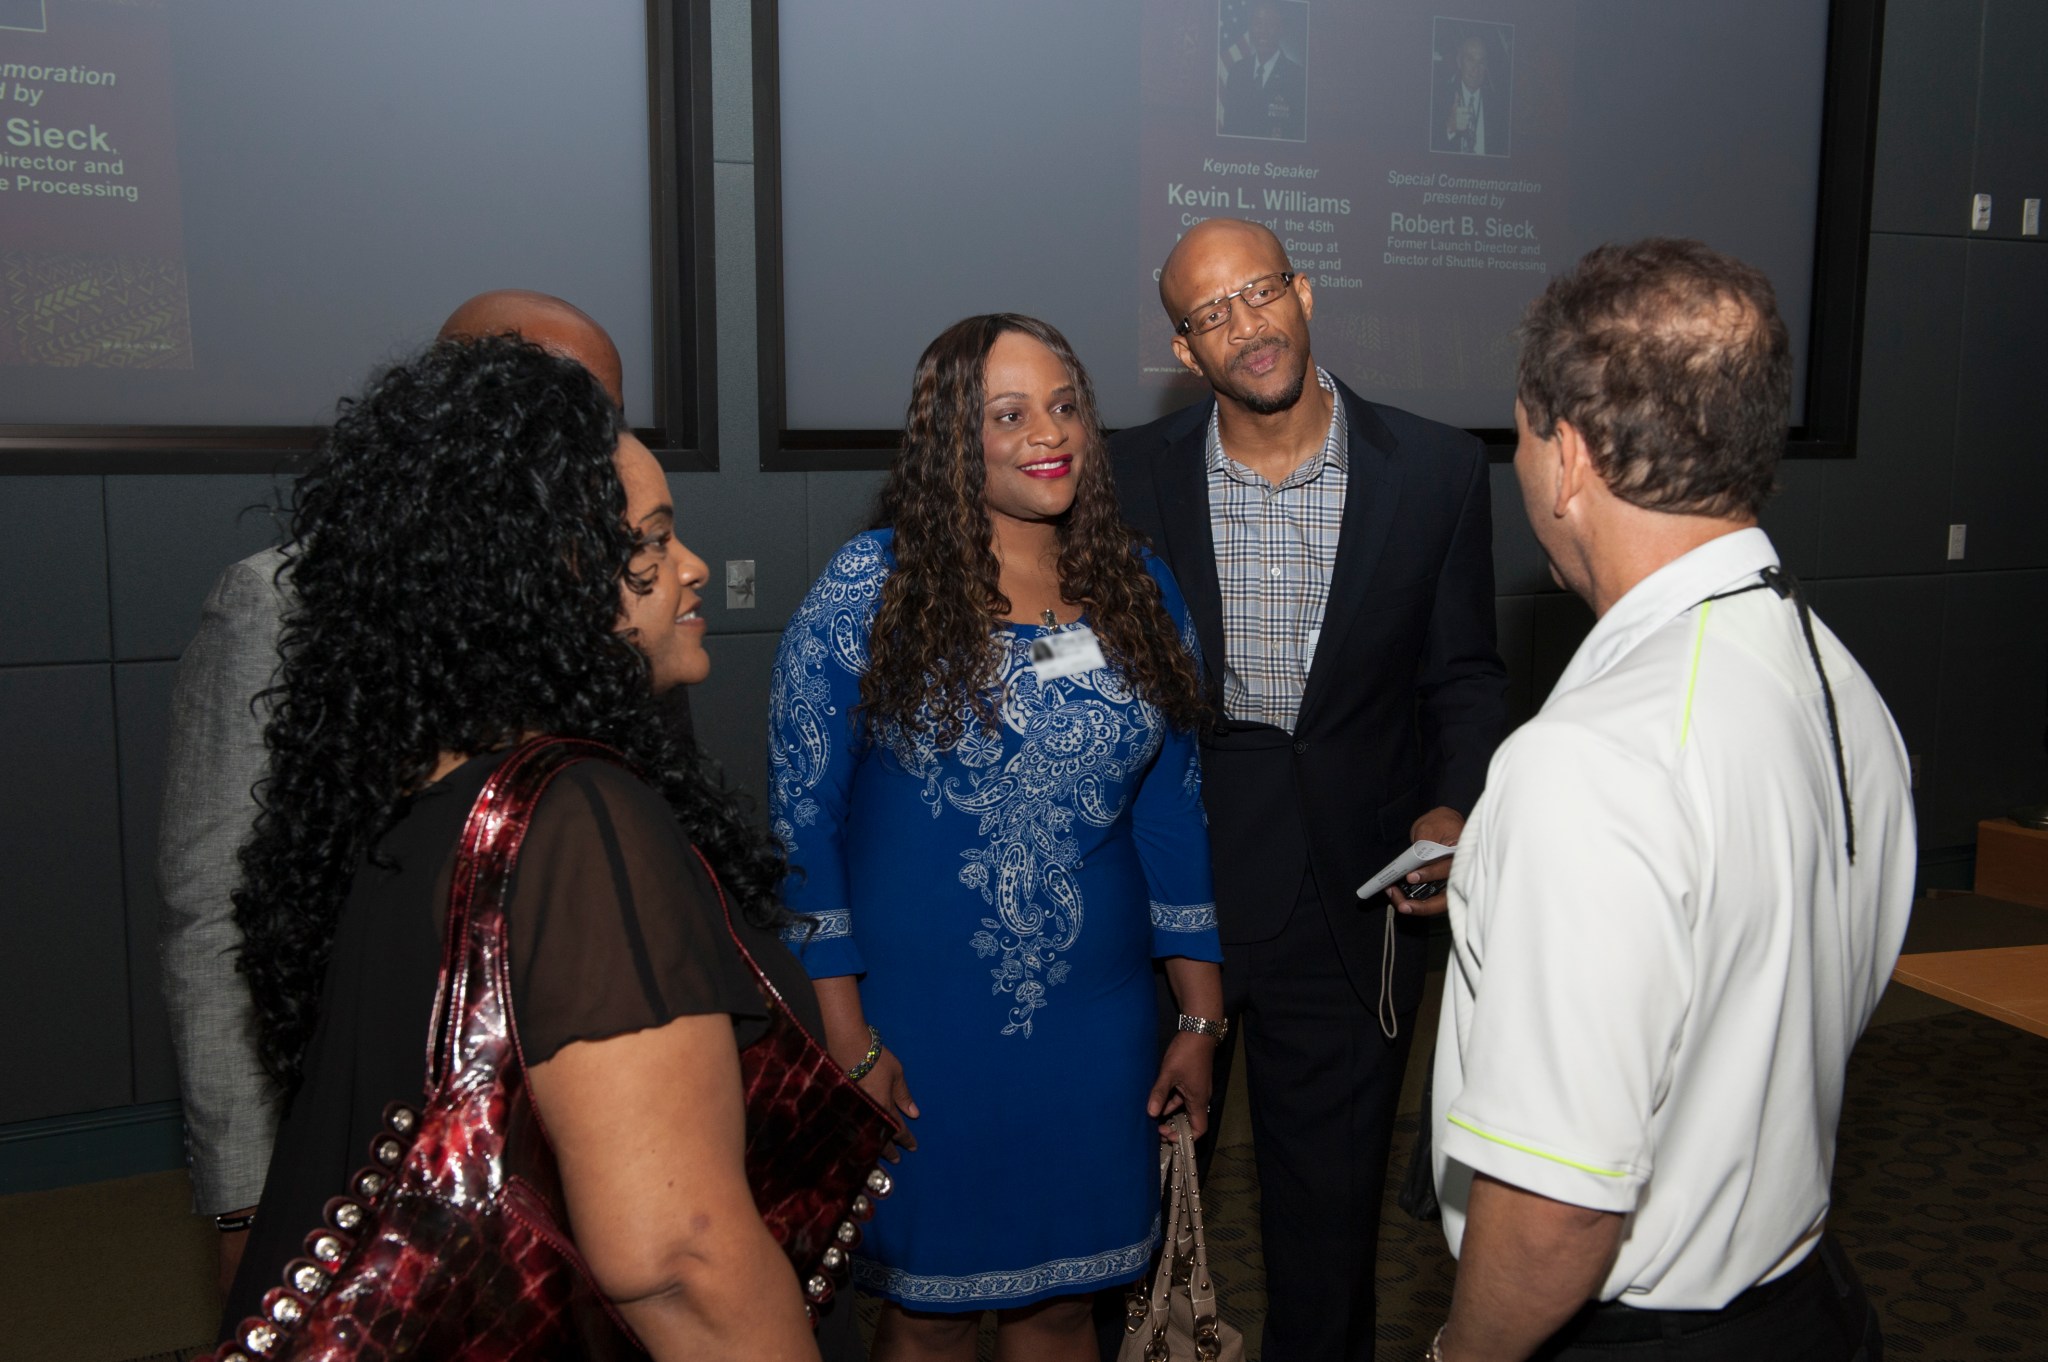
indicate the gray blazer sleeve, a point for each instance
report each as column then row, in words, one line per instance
column 216, row 756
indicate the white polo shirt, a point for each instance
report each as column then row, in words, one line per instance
column 1662, row 952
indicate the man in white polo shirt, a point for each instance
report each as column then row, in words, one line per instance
column 1676, row 903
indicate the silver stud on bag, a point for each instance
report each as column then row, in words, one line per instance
column 880, row 1183
column 848, row 1233
column 348, row 1216
column 327, row 1249
column 389, row 1152
column 260, row 1338
column 286, row 1311
column 861, row 1209
column 833, row 1258
column 370, row 1182
column 307, row 1280
column 817, row 1288
column 403, row 1119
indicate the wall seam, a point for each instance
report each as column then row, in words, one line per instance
column 120, row 802
column 77, row 662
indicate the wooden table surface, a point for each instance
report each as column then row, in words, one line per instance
column 2009, row 983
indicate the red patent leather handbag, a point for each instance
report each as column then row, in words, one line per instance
column 453, row 1242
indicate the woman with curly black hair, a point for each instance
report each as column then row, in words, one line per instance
column 482, row 554
column 983, row 739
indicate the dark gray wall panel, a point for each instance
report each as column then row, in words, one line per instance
column 1793, row 516
column 53, row 574
column 1892, row 625
column 1994, row 702
column 142, row 712
column 841, row 504
column 732, row 85
column 739, row 512
column 1887, row 508
column 2012, row 111
column 170, row 536
column 1559, row 623
column 1519, row 566
column 1927, row 116
column 732, row 281
column 2001, row 478
column 745, row 514
column 64, row 972
column 1514, row 622
column 731, row 710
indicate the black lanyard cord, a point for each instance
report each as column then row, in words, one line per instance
column 1786, row 585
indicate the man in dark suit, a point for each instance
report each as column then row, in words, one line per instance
column 1472, row 115
column 1265, row 94
column 1337, row 558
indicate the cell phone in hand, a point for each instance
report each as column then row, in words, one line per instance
column 1398, row 869
column 1415, row 893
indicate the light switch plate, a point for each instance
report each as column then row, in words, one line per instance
column 2030, row 217
column 739, row 584
column 1980, row 213
column 1956, row 535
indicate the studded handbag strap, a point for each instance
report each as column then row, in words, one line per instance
column 1169, row 1268
column 1201, row 1289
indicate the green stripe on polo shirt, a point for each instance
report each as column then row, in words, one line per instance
column 1490, row 1138
column 1699, row 640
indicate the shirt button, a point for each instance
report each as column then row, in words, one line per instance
column 1300, row 746
column 1275, row 572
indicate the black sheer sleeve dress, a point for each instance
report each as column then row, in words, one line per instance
column 616, row 927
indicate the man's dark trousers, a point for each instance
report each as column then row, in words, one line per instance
column 1817, row 1312
column 1325, row 1080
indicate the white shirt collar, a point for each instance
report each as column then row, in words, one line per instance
column 1663, row 596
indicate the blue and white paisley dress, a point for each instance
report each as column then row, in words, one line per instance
column 1002, row 901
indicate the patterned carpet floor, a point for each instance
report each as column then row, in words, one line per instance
column 1941, row 1198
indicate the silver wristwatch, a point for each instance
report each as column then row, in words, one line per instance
column 1202, row 1026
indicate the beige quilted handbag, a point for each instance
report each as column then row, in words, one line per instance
column 1172, row 1316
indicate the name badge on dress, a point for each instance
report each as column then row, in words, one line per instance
column 1067, row 653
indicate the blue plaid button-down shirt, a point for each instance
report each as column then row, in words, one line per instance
column 1275, row 548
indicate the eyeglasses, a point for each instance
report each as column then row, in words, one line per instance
column 1216, row 311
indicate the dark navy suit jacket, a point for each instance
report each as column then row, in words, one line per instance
column 1406, row 696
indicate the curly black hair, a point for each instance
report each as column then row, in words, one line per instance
column 456, row 554
column 930, row 654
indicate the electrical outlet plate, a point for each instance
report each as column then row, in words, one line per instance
column 739, row 584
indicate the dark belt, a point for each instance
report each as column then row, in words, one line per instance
column 1613, row 1322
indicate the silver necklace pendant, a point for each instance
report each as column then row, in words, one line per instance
column 1052, row 621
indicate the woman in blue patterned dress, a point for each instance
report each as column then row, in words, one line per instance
column 982, row 737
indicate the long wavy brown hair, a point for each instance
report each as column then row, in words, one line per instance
column 932, row 659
